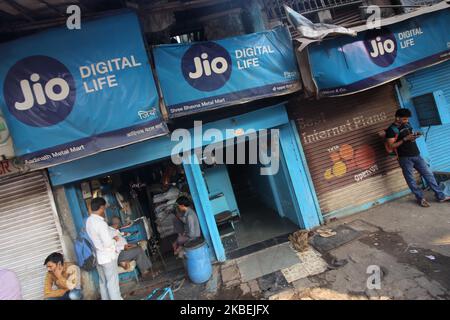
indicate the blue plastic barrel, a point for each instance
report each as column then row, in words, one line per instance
column 198, row 262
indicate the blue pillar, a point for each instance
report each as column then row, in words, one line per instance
column 74, row 205
column 79, row 213
column 199, row 192
column 309, row 213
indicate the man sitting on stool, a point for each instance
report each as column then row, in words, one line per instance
column 185, row 223
column 128, row 252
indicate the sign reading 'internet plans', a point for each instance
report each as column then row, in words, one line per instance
column 208, row 75
column 67, row 94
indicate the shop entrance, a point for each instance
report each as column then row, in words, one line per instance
column 143, row 200
column 249, row 207
column 260, row 216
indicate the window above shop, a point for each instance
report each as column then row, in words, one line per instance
column 432, row 109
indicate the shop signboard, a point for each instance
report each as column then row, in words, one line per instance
column 67, row 94
column 345, row 65
column 202, row 76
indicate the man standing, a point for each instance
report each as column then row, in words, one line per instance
column 65, row 276
column 400, row 137
column 9, row 285
column 191, row 225
column 128, row 252
column 98, row 231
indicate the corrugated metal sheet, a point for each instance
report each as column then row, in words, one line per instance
column 29, row 229
column 430, row 79
column 346, row 158
column 438, row 145
column 426, row 81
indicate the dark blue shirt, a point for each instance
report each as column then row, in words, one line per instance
column 407, row 148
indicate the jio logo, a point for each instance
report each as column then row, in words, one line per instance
column 381, row 46
column 39, row 91
column 206, row 66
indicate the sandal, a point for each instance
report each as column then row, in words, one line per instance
column 424, row 203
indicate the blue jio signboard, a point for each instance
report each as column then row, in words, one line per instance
column 347, row 65
column 208, row 75
column 67, row 94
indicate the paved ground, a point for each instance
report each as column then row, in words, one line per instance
column 410, row 245
column 404, row 246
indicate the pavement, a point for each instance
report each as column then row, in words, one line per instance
column 395, row 251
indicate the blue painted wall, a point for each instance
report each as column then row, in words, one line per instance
column 307, row 213
column 218, row 181
column 77, row 207
column 200, row 196
column 284, row 191
column 304, row 165
column 263, row 186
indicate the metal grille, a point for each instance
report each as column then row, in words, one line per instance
column 346, row 158
column 276, row 10
column 29, row 230
column 346, row 17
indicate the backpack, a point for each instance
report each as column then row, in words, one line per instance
column 85, row 252
column 390, row 151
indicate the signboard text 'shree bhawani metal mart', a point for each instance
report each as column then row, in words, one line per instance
column 346, row 65
column 67, row 94
column 209, row 75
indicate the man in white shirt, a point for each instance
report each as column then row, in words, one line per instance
column 98, row 231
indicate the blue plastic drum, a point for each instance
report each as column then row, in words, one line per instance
column 198, row 262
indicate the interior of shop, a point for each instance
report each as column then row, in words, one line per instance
column 144, row 200
column 248, row 207
column 259, row 219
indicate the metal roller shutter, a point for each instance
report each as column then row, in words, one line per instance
column 346, row 158
column 30, row 229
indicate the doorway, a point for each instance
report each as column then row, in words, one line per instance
column 251, row 208
column 261, row 217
